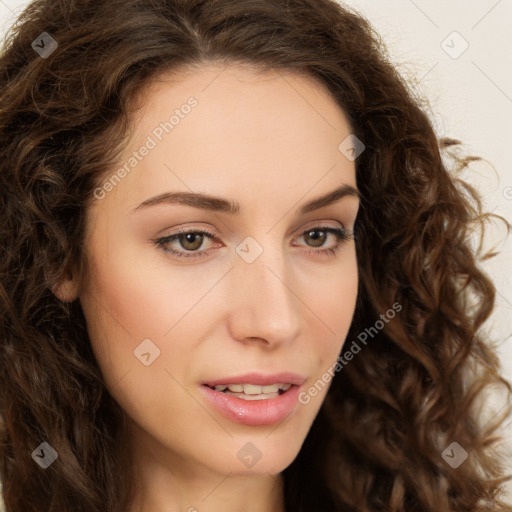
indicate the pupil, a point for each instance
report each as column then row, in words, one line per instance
column 319, row 239
column 190, row 238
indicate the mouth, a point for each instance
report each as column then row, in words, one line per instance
column 254, row 399
column 247, row 391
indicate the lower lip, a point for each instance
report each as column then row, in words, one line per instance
column 254, row 413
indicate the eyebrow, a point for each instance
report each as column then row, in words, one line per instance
column 218, row 204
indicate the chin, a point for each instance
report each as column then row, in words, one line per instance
column 252, row 455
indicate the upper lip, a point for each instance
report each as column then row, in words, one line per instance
column 260, row 379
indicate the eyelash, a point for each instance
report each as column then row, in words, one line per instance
column 341, row 234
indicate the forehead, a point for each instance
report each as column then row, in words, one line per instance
column 248, row 131
column 227, row 94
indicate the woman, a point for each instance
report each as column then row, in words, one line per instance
column 235, row 270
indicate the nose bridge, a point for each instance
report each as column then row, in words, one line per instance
column 264, row 304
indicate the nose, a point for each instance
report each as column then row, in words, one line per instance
column 263, row 304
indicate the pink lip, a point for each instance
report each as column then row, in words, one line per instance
column 254, row 413
column 259, row 379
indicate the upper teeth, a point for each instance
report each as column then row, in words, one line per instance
column 251, row 389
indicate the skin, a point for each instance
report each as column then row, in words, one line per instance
column 269, row 141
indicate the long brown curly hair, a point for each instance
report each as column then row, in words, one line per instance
column 377, row 443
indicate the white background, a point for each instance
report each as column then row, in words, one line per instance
column 470, row 98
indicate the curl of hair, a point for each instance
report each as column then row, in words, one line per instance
column 376, row 443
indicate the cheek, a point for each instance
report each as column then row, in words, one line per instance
column 127, row 290
column 333, row 305
column 335, row 302
column 132, row 297
column 122, row 308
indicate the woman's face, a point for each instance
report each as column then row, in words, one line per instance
column 264, row 301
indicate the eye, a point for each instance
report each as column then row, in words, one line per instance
column 192, row 240
column 341, row 235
